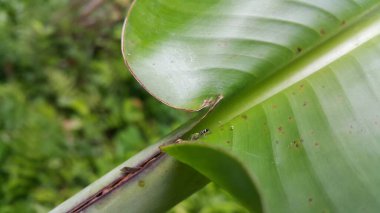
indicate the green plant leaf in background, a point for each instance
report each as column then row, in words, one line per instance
column 301, row 86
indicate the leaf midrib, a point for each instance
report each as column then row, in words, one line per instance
column 363, row 29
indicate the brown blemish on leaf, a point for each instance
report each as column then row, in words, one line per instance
column 316, row 144
column 343, row 23
column 244, row 117
column 296, row 143
column 322, row 31
column 274, row 106
column 207, row 102
column 141, row 183
column 228, row 142
column 290, row 118
column 178, row 141
column 277, row 142
column 299, row 49
column 280, row 129
column 304, row 104
column 211, row 102
column 310, row 200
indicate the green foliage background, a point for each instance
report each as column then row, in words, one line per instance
column 69, row 109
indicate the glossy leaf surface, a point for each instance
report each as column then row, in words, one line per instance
column 188, row 52
column 301, row 86
column 301, row 81
column 314, row 146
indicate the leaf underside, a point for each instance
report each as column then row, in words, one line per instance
column 186, row 52
column 301, row 81
column 199, row 155
column 313, row 147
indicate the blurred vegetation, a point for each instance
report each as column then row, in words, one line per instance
column 69, row 110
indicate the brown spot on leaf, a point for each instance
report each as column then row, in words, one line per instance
column 141, row 183
column 244, row 117
column 296, row 143
column 343, row 22
column 322, row 31
column 299, row 49
column 304, row 104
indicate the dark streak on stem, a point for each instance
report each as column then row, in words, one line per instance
column 124, row 178
column 128, row 174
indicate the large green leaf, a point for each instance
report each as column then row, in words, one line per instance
column 188, row 52
column 314, row 146
column 299, row 118
column 301, row 81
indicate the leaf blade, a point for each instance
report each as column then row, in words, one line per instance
column 237, row 43
column 315, row 145
column 222, row 169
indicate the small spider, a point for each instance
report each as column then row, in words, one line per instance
column 197, row 135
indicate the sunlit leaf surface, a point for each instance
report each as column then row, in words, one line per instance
column 186, row 52
column 301, row 81
column 313, row 147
